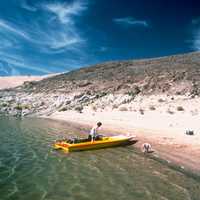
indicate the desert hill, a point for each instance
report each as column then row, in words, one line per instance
column 177, row 74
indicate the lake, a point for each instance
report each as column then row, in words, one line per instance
column 31, row 170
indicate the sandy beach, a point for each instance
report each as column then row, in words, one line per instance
column 165, row 132
column 14, row 81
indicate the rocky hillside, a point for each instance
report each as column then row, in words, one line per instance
column 123, row 80
column 150, row 75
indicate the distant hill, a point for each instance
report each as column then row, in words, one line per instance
column 173, row 74
column 7, row 82
column 14, row 81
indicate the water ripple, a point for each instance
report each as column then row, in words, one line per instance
column 13, row 190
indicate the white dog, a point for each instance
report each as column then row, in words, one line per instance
column 146, row 148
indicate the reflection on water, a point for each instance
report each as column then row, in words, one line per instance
column 31, row 170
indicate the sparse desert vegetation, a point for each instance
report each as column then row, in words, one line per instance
column 170, row 111
column 141, row 111
column 152, row 107
column 79, row 109
column 180, row 108
column 122, row 108
column 161, row 100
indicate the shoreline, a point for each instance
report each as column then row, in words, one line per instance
column 169, row 145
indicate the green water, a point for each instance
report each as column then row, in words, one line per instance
column 31, row 170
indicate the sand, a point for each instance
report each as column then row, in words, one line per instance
column 164, row 131
column 14, row 81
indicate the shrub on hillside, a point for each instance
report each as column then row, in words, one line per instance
column 63, row 109
column 141, row 111
column 135, row 91
column 79, row 109
column 4, row 104
column 161, row 100
column 18, row 107
column 180, row 108
column 94, row 108
column 123, row 109
column 115, row 106
column 170, row 111
column 152, row 108
column 21, row 107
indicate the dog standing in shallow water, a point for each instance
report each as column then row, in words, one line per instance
column 146, row 148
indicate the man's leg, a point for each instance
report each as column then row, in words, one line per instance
column 89, row 138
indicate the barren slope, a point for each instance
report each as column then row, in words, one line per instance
column 175, row 74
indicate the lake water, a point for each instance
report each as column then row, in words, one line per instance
column 31, row 170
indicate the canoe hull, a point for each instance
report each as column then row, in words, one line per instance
column 105, row 143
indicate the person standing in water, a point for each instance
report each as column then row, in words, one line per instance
column 93, row 133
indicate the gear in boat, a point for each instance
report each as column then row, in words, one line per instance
column 76, row 140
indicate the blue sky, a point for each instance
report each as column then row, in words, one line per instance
column 48, row 36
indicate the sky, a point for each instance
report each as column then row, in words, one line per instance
column 51, row 36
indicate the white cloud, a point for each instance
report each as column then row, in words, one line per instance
column 103, row 49
column 17, row 62
column 130, row 21
column 196, row 21
column 8, row 70
column 14, row 71
column 57, row 40
column 196, row 39
column 6, row 43
column 64, row 36
column 195, row 34
column 64, row 11
column 59, row 35
column 28, row 7
column 67, row 35
column 49, row 38
column 5, row 26
column 3, row 69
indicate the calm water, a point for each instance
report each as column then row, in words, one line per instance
column 31, row 170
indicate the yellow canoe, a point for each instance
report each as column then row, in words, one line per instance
column 104, row 142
